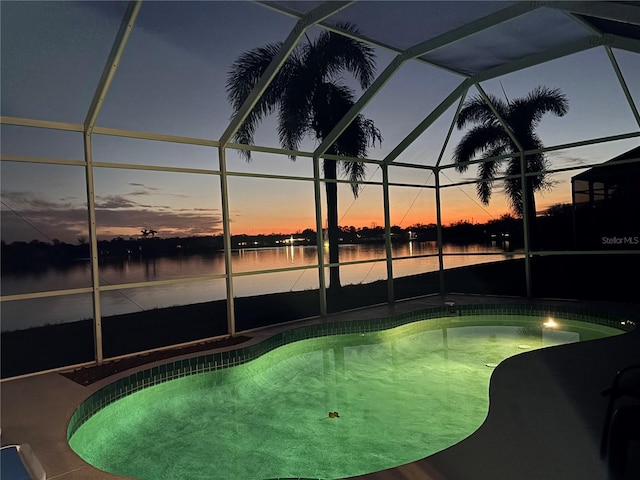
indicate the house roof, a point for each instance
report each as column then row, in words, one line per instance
column 628, row 168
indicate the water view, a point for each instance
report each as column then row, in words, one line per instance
column 22, row 314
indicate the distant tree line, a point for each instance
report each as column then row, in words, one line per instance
column 555, row 231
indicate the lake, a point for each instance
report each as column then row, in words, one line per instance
column 22, row 314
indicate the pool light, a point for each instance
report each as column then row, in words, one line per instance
column 550, row 323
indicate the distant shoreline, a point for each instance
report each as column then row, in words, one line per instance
column 39, row 256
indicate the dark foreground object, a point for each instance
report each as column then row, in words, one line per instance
column 593, row 278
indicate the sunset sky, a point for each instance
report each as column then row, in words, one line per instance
column 171, row 80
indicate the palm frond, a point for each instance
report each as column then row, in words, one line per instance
column 355, row 172
column 244, row 135
column 244, row 75
column 308, row 95
column 363, row 134
column 479, row 139
column 296, row 107
column 476, row 110
column 487, row 171
column 488, row 136
column 536, row 163
column 528, row 111
column 335, row 53
column 513, row 189
column 360, row 134
column 246, row 71
column 370, row 132
column 293, row 125
column 331, row 101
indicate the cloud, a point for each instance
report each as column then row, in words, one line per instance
column 44, row 224
column 134, row 184
column 121, row 201
column 27, row 217
column 140, row 192
column 115, row 202
column 145, row 190
column 159, row 221
column 30, row 201
column 558, row 159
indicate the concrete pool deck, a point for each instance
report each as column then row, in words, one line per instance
column 545, row 417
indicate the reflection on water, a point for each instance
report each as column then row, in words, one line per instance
column 21, row 314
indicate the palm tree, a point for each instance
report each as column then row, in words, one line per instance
column 310, row 99
column 489, row 137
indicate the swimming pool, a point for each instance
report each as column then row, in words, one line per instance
column 328, row 401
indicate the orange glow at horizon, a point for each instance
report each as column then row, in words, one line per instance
column 456, row 207
column 284, row 211
column 288, row 224
column 266, row 228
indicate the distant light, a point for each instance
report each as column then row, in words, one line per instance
column 550, row 323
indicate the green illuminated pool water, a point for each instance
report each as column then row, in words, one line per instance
column 401, row 395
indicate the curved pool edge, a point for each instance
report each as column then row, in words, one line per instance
column 545, row 419
column 199, row 363
column 37, row 410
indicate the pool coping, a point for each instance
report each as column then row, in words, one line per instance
column 37, row 410
column 199, row 364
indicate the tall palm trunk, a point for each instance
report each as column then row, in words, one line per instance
column 531, row 213
column 331, row 189
column 311, row 98
column 531, row 184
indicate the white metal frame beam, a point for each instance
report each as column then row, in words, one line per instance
column 623, row 84
column 459, row 91
column 532, row 60
column 108, row 73
column 623, row 43
column 48, row 124
column 417, row 50
column 451, row 127
column 577, row 46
